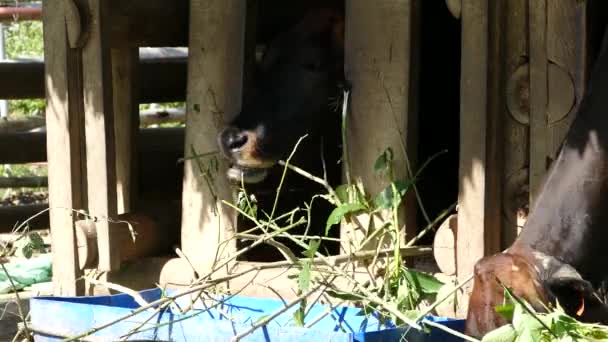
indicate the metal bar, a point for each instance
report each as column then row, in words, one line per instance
column 20, row 13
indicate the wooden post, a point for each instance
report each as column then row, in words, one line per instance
column 100, row 137
column 479, row 188
column 379, row 53
column 214, row 93
column 126, row 124
column 65, row 142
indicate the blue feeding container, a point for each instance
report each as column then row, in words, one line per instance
column 55, row 318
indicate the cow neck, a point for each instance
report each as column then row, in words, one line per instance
column 568, row 218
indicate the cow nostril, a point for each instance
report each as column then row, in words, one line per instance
column 236, row 140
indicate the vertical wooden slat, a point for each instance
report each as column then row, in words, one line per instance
column 65, row 152
column 214, row 93
column 538, row 94
column 567, row 42
column 516, row 118
column 126, row 124
column 379, row 48
column 479, row 188
column 100, row 138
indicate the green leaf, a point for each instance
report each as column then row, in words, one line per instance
column 342, row 192
column 27, row 245
column 36, row 241
column 385, row 199
column 505, row 310
column 299, row 314
column 427, row 282
column 304, row 276
column 506, row 333
column 313, row 247
column 338, row 214
column 350, row 194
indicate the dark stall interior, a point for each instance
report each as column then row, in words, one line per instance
column 438, row 114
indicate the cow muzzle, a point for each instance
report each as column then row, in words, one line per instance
column 240, row 148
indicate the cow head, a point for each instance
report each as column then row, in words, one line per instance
column 539, row 279
column 298, row 75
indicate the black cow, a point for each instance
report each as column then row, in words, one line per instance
column 298, row 76
column 561, row 252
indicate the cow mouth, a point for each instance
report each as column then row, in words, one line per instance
column 238, row 174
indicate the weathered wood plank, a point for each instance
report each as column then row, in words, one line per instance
column 148, row 23
column 126, row 124
column 379, row 50
column 567, row 51
column 538, row 95
column 65, row 141
column 100, row 137
column 516, row 118
column 214, row 94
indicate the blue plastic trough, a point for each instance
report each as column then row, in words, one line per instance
column 54, row 318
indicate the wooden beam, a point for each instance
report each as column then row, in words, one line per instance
column 12, row 216
column 156, row 233
column 10, row 125
column 148, row 23
column 163, row 79
column 380, row 67
column 65, row 139
column 160, row 141
column 169, row 272
column 214, row 94
column 23, row 182
column 33, row 145
column 100, row 135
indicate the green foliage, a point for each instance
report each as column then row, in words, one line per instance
column 528, row 325
column 388, row 197
column 23, row 171
column 401, row 286
column 339, row 212
column 24, row 40
column 28, row 244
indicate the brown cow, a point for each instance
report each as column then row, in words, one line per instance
column 561, row 251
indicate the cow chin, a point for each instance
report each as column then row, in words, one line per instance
column 249, row 170
column 238, row 174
